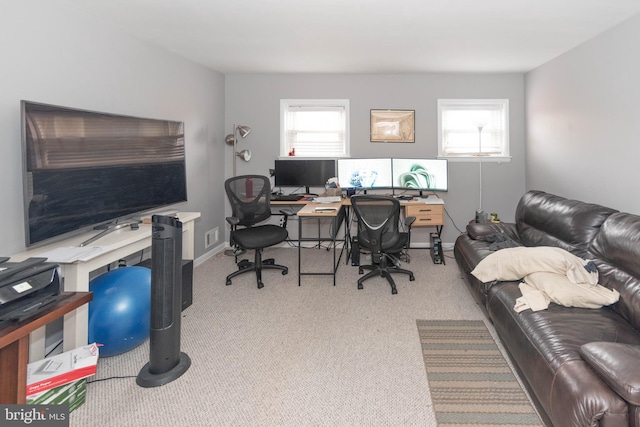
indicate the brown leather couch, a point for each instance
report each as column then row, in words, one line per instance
column 581, row 366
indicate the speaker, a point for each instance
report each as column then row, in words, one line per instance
column 166, row 362
column 187, row 280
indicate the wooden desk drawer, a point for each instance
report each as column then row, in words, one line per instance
column 426, row 215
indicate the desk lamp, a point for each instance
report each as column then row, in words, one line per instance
column 232, row 140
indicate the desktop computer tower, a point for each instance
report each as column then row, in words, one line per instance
column 355, row 251
column 436, row 249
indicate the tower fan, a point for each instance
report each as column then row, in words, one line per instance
column 166, row 361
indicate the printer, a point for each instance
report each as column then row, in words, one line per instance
column 27, row 287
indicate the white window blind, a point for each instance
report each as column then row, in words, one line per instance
column 314, row 128
column 473, row 127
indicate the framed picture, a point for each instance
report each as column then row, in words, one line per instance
column 393, row 126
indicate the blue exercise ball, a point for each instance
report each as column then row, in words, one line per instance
column 120, row 313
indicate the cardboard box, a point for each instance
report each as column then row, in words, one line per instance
column 62, row 378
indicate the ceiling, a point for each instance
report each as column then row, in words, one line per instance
column 364, row 36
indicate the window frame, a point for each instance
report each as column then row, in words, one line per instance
column 287, row 104
column 503, row 105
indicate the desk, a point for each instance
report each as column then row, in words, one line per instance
column 119, row 244
column 14, row 345
column 309, row 211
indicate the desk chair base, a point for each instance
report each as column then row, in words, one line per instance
column 383, row 270
column 258, row 265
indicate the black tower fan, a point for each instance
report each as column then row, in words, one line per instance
column 166, row 361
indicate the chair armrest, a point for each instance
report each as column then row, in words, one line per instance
column 618, row 365
column 233, row 220
column 408, row 221
column 287, row 212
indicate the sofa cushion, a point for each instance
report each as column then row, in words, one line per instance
column 619, row 366
column 616, row 251
column 544, row 219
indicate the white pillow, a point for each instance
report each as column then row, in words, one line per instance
column 516, row 263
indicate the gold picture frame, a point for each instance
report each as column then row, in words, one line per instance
column 393, row 126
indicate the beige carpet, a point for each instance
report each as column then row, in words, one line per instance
column 314, row 355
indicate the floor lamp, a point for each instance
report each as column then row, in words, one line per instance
column 245, row 155
column 480, row 122
column 232, row 140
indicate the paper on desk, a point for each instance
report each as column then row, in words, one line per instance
column 70, row 254
column 327, row 199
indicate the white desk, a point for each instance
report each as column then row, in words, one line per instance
column 119, row 244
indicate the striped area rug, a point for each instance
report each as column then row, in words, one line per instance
column 470, row 382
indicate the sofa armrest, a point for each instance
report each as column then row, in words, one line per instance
column 478, row 231
column 618, row 365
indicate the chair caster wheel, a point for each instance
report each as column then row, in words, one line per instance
column 412, row 278
column 394, row 291
column 360, row 286
column 285, row 272
column 260, row 285
column 228, row 282
column 360, row 271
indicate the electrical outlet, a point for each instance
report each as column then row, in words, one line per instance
column 211, row 237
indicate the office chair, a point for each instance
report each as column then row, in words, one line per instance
column 378, row 218
column 249, row 196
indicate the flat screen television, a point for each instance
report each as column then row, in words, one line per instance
column 365, row 173
column 84, row 169
column 420, row 174
column 304, row 172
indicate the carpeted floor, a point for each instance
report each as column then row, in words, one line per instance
column 469, row 379
column 289, row 355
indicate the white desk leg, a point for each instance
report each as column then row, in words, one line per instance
column 76, row 323
column 37, row 344
column 188, row 240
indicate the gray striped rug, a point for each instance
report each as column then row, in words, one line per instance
column 470, row 382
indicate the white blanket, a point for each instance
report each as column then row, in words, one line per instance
column 549, row 274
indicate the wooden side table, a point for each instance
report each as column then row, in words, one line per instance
column 14, row 345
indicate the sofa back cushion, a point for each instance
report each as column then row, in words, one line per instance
column 544, row 219
column 616, row 252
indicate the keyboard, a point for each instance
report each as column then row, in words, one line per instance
column 286, row 197
column 327, row 199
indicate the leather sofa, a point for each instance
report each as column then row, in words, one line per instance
column 581, row 366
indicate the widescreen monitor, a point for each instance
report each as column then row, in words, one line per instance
column 420, row 174
column 304, row 172
column 364, row 173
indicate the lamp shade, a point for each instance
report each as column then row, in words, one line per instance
column 244, row 130
column 244, row 155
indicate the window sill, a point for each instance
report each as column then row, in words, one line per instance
column 484, row 159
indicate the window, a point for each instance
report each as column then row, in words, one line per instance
column 314, row 127
column 473, row 127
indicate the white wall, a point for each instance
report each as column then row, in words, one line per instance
column 53, row 54
column 254, row 100
column 583, row 121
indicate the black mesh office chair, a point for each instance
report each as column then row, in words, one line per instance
column 378, row 218
column 249, row 196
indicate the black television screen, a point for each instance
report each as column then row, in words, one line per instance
column 84, row 168
column 421, row 174
column 304, row 173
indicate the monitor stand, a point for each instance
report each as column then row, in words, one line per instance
column 109, row 228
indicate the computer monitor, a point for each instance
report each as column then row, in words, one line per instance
column 365, row 173
column 420, row 174
column 304, row 172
